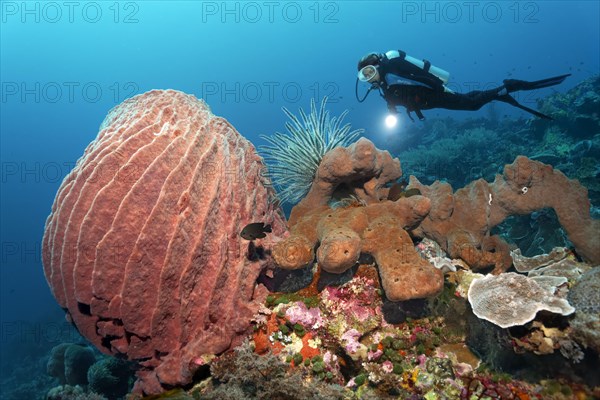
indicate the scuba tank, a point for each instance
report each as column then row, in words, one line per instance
column 425, row 65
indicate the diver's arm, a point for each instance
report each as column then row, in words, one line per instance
column 392, row 107
column 394, row 111
column 391, row 104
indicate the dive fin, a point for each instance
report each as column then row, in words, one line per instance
column 510, row 100
column 513, row 85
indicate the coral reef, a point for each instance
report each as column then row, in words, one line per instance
column 28, row 378
column 559, row 263
column 456, row 150
column 548, row 343
column 67, row 392
column 336, row 344
column 178, row 304
column 69, row 363
column 536, row 233
column 459, row 151
column 246, row 375
column 340, row 336
column 109, row 377
column 461, row 221
column 142, row 247
column 585, row 297
column 575, row 111
column 527, row 264
column 344, row 233
column 25, row 354
column 534, row 353
column 511, row 299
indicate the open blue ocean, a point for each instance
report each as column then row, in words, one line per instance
column 65, row 64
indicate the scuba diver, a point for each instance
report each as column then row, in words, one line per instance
column 417, row 85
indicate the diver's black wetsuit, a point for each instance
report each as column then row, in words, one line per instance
column 416, row 98
column 417, row 89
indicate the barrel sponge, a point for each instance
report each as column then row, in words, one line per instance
column 511, row 299
column 142, row 245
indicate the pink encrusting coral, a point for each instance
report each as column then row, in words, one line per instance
column 142, row 247
column 300, row 314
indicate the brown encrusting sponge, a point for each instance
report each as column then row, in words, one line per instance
column 375, row 226
column 459, row 221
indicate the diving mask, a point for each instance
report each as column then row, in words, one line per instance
column 369, row 74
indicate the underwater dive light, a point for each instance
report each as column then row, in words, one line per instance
column 391, row 120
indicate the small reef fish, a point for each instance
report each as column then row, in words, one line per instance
column 398, row 190
column 255, row 230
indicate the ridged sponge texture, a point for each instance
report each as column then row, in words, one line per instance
column 142, row 246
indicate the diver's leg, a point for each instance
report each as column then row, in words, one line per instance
column 470, row 101
column 476, row 99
